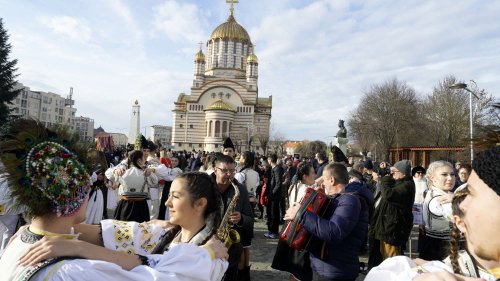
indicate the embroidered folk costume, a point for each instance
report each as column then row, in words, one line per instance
column 46, row 173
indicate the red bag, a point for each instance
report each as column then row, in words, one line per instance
column 263, row 198
column 294, row 234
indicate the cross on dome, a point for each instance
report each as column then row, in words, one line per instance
column 232, row 2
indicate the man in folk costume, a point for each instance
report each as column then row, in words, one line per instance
column 46, row 172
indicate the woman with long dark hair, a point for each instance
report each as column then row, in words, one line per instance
column 134, row 189
column 195, row 216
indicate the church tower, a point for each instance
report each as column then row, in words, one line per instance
column 135, row 122
column 224, row 99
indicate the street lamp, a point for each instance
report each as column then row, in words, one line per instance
column 463, row 86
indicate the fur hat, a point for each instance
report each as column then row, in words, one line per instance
column 338, row 155
column 417, row 169
column 228, row 143
column 487, row 167
column 404, row 166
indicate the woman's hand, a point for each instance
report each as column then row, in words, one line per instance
column 443, row 199
column 218, row 247
column 50, row 247
column 292, row 211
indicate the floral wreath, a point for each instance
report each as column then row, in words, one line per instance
column 58, row 174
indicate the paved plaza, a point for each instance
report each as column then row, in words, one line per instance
column 262, row 255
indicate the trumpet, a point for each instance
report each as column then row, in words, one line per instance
column 225, row 233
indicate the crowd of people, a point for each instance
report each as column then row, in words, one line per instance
column 164, row 215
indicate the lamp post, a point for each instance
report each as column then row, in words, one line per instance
column 463, row 86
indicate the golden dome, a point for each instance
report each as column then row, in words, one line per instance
column 231, row 30
column 200, row 57
column 252, row 58
column 220, row 105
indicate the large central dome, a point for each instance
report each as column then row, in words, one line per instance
column 231, row 29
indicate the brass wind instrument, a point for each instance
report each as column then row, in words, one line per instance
column 225, row 233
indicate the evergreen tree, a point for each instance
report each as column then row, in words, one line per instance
column 7, row 75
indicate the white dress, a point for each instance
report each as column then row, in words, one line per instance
column 95, row 207
column 181, row 263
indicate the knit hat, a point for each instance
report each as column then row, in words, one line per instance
column 487, row 167
column 368, row 164
column 228, row 143
column 338, row 155
column 404, row 166
column 42, row 172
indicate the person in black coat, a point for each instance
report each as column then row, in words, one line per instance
column 273, row 191
column 392, row 219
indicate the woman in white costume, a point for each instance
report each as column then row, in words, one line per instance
column 441, row 181
column 51, row 180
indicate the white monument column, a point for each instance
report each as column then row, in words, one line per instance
column 135, row 122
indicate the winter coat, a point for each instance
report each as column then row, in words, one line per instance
column 274, row 185
column 339, row 235
column 392, row 219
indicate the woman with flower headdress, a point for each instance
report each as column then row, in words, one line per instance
column 46, row 172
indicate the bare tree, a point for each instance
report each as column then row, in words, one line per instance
column 276, row 139
column 385, row 115
column 316, row 146
column 264, row 141
column 447, row 115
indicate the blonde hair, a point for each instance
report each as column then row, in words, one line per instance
column 432, row 170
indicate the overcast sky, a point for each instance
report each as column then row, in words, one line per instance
column 316, row 58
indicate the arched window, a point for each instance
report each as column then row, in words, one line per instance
column 217, row 129
column 210, row 128
column 224, row 127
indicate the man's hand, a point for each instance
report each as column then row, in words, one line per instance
column 235, row 217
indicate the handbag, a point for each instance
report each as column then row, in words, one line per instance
column 137, row 194
column 263, row 197
column 294, row 234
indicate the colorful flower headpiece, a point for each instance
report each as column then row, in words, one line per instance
column 57, row 173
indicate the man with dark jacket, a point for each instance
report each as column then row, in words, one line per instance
column 338, row 236
column 242, row 215
column 392, row 219
column 273, row 191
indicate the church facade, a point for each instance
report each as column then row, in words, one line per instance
column 224, row 99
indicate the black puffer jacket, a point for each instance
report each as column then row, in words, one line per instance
column 392, row 219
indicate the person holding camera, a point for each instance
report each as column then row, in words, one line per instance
column 392, row 218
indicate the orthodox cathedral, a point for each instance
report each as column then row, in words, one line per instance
column 224, row 100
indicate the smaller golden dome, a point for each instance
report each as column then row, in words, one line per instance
column 220, row 105
column 252, row 58
column 200, row 57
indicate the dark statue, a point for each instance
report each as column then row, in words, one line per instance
column 342, row 133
